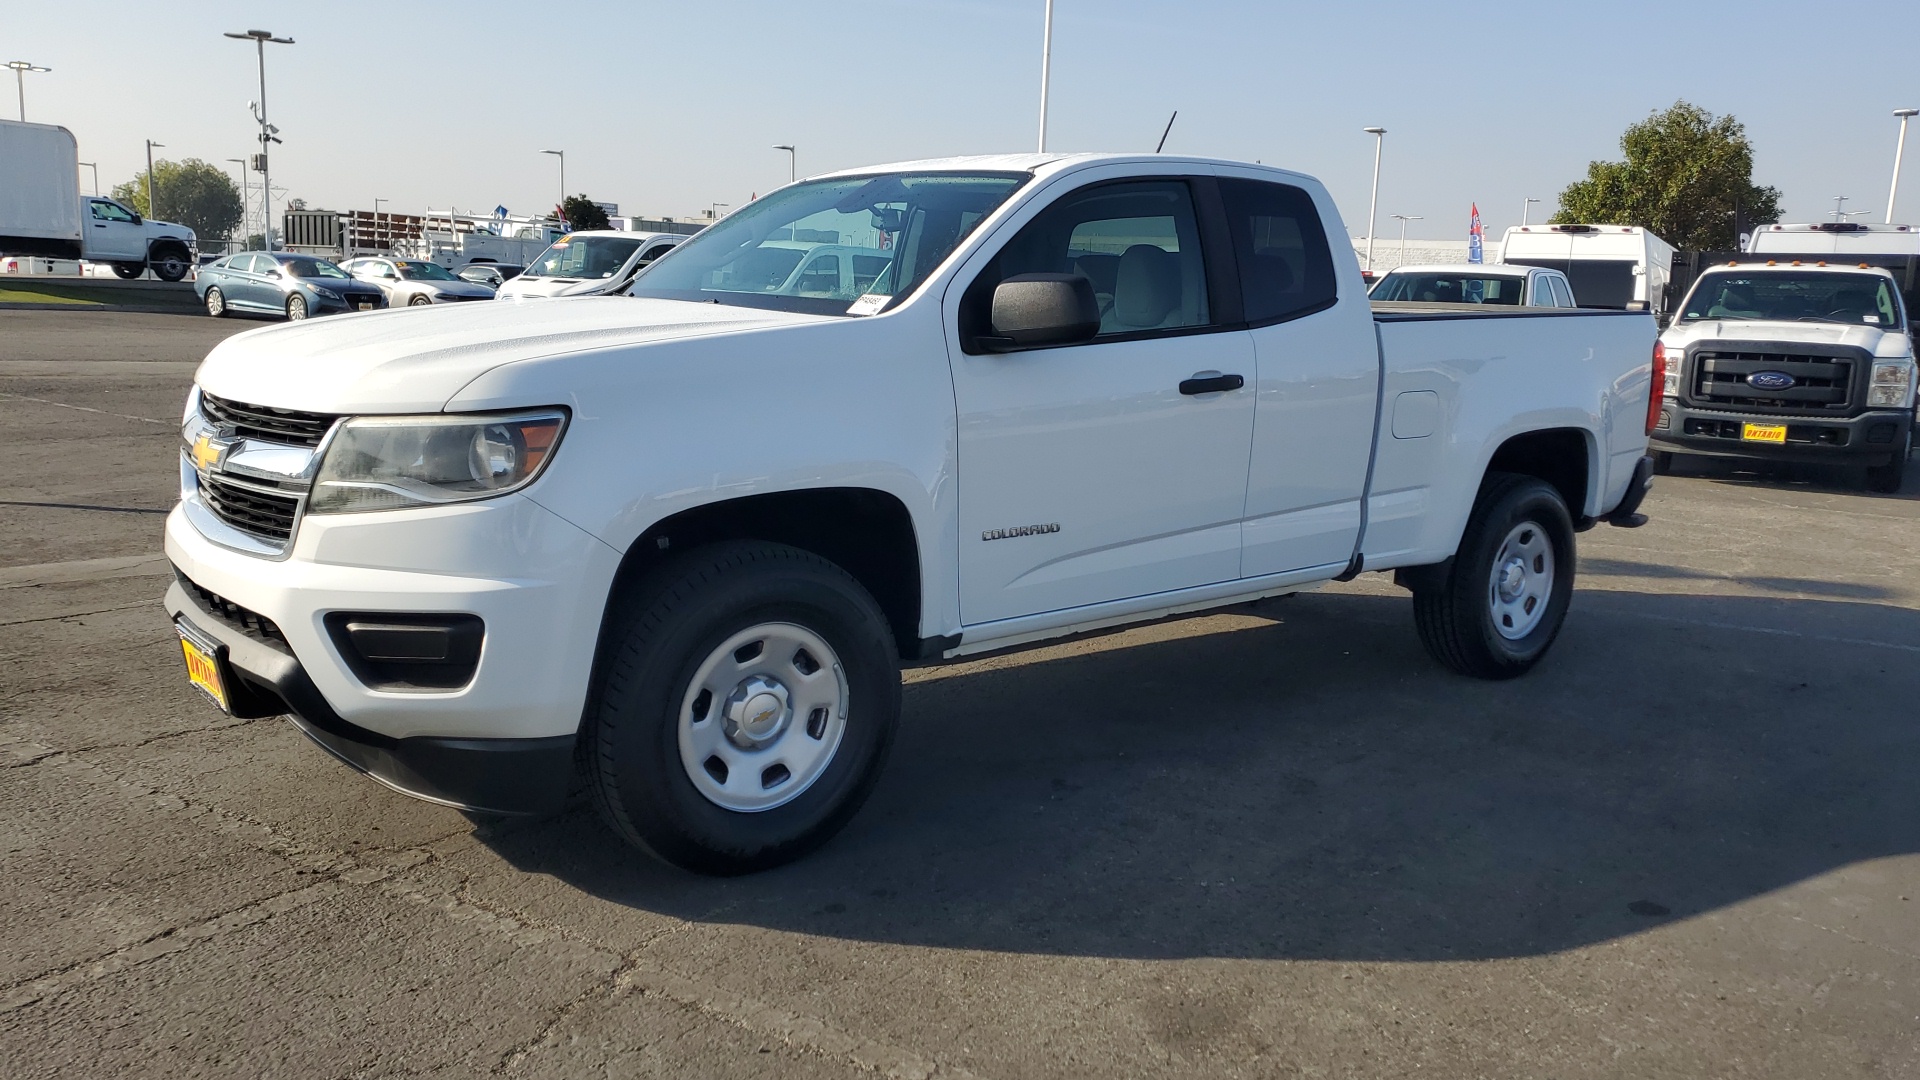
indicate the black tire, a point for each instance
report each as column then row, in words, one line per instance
column 127, row 271
column 216, row 302
column 1662, row 462
column 1889, row 478
column 296, row 307
column 171, row 264
column 1454, row 611
column 659, row 636
column 419, row 301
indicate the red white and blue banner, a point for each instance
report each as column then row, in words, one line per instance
column 1476, row 238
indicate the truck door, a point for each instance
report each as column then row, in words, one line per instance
column 112, row 235
column 1114, row 468
column 1317, row 385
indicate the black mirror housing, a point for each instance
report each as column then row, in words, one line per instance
column 1032, row 311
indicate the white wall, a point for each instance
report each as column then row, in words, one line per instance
column 1386, row 251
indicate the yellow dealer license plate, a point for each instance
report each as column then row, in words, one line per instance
column 1769, row 433
column 203, row 667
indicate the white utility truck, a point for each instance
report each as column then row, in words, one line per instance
column 1791, row 361
column 1610, row 266
column 43, row 213
column 685, row 537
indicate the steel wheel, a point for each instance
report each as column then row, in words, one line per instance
column 1521, row 581
column 762, row 717
column 296, row 308
column 216, row 302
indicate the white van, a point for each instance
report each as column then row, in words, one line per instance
column 1610, row 266
column 1842, row 238
column 588, row 263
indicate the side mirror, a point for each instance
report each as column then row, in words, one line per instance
column 137, row 219
column 1035, row 310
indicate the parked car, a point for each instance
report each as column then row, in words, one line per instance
column 1475, row 283
column 589, row 263
column 416, row 282
column 685, row 538
column 492, row 275
column 295, row 286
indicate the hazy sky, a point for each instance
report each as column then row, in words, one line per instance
column 668, row 107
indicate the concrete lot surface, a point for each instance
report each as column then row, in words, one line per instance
column 1277, row 842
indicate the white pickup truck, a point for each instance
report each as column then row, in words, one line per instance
column 683, row 539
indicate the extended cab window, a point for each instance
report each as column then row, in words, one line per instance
column 1138, row 243
column 1286, row 269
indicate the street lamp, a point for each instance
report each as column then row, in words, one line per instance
column 1046, row 61
column 267, row 131
column 150, row 145
column 1403, row 219
column 1373, row 207
column 792, row 163
column 562, row 155
column 1898, row 149
column 1525, row 209
column 20, row 69
column 96, row 175
column 246, row 201
column 713, row 209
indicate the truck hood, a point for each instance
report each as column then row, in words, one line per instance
column 1876, row 341
column 414, row 360
column 158, row 229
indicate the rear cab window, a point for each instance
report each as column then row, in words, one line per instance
column 1280, row 247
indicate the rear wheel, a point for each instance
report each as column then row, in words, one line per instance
column 1500, row 604
column 129, row 270
column 748, row 697
column 296, row 307
column 216, row 302
column 1888, row 479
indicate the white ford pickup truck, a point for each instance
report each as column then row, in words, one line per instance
column 683, row 539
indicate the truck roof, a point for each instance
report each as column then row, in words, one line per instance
column 1481, row 269
column 1797, row 266
column 1043, row 164
column 1823, row 237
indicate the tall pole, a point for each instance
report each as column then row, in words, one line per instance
column 1525, row 210
column 1403, row 219
column 267, row 130
column 1899, row 149
column 792, row 162
column 150, row 145
column 1046, row 72
column 20, row 69
column 246, row 201
column 1373, row 207
column 561, row 206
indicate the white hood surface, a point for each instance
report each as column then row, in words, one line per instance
column 1813, row 333
column 415, row 360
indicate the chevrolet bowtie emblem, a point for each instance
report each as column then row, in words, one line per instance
column 206, row 453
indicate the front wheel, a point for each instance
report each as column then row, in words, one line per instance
column 216, row 302
column 420, row 301
column 748, row 696
column 1499, row 606
column 1887, row 479
column 171, row 265
column 296, row 307
column 127, row 271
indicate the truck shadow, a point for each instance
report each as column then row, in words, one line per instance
column 1302, row 782
column 1836, row 479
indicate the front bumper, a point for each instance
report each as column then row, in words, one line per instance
column 322, row 305
column 1871, row 438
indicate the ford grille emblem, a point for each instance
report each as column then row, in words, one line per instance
column 1771, row 380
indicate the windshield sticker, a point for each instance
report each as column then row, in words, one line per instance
column 869, row 304
column 1870, row 318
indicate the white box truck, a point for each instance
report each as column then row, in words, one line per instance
column 1610, row 266
column 43, row 213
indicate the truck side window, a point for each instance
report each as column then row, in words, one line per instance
column 655, row 252
column 1286, row 269
column 1138, row 242
column 106, row 211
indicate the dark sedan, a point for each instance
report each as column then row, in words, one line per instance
column 292, row 286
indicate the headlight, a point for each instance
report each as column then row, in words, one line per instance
column 1891, row 384
column 392, row 462
column 1670, row 387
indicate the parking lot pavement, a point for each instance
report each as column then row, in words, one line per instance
column 1272, row 842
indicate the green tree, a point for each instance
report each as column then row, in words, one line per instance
column 583, row 214
column 1686, row 175
column 191, row 192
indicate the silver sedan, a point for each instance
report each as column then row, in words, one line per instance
column 415, row 282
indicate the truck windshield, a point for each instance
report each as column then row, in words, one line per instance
column 1784, row 295
column 1599, row 283
column 1448, row 288
column 583, row 257
column 843, row 246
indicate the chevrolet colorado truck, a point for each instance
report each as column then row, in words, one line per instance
column 1790, row 361
column 683, row 539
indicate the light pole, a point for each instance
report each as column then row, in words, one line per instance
column 1403, row 219
column 1525, row 210
column 96, row 175
column 1046, row 63
column 376, row 205
column 1373, row 208
column 561, row 206
column 267, row 131
column 20, row 69
column 150, row 145
column 246, row 201
column 792, row 163
column 1899, row 148
column 713, row 210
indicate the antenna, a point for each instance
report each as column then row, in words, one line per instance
column 1169, row 128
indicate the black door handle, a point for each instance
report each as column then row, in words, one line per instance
column 1208, row 383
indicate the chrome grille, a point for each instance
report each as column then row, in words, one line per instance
column 253, row 511
column 262, row 422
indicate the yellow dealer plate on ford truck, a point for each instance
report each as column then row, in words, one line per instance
column 1767, row 433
